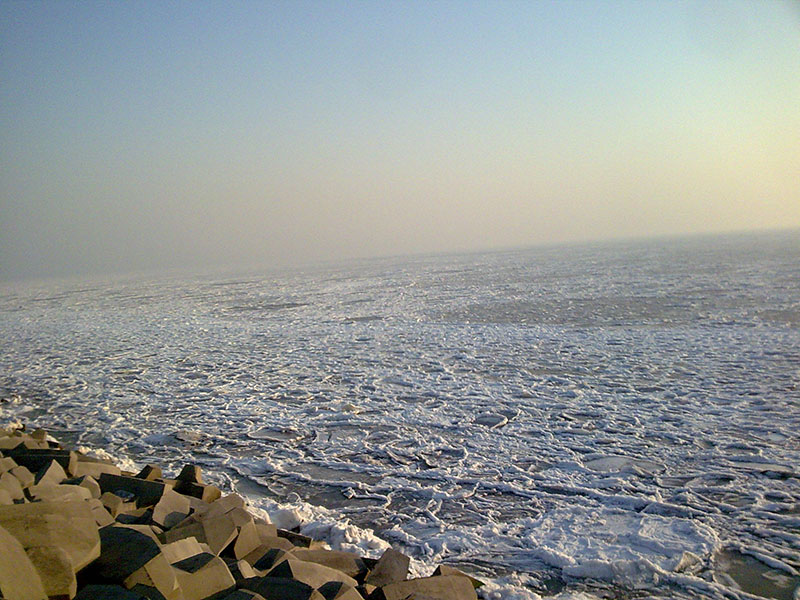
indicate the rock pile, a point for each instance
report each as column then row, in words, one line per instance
column 72, row 526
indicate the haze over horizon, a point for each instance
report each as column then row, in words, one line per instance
column 141, row 135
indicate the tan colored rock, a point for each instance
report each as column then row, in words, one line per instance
column 348, row 563
column 88, row 482
column 6, row 464
column 156, row 573
column 313, row 574
column 37, row 458
column 58, row 493
column 241, row 569
column 190, row 473
column 440, row 587
column 267, row 531
column 219, row 532
column 266, row 545
column 39, row 435
column 446, row 570
column 94, row 468
column 147, row 493
column 279, row 588
column 182, row 549
column 203, row 575
column 23, row 475
column 101, row 516
column 52, row 473
column 391, row 567
column 171, row 509
column 225, row 504
column 5, row 498
column 55, row 571
column 68, row 525
column 116, row 505
column 246, row 541
column 336, row 590
column 11, row 485
column 150, row 473
column 206, row 493
column 19, row 579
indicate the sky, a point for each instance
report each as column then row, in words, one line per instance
column 145, row 135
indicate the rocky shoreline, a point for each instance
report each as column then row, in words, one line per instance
column 74, row 526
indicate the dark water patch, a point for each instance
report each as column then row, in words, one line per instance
column 754, row 577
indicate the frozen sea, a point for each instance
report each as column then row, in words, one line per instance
column 605, row 420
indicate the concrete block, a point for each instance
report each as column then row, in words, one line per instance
column 219, row 532
column 150, row 473
column 101, row 516
column 336, row 590
column 107, row 592
column 156, row 573
column 191, row 473
column 267, row 530
column 35, row 459
column 182, row 549
column 147, row 493
column 266, row 545
column 19, row 579
column 39, row 434
column 88, row 482
column 241, row 569
column 8, row 443
column 206, row 493
column 124, row 550
column 446, row 570
column 171, row 509
column 5, row 498
column 278, row 588
column 297, row 539
column 202, row 576
column 391, row 567
column 440, row 587
column 55, row 571
column 313, row 574
column 247, row 540
column 52, row 472
column 348, row 563
column 58, row 493
column 137, row 516
column 225, row 504
column 116, row 505
column 23, row 474
column 94, row 468
column 6, row 464
column 68, row 525
column 11, row 486
column 269, row 559
column 243, row 595
column 240, row 517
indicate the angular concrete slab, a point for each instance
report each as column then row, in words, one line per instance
column 147, row 493
column 171, row 509
column 94, row 468
column 23, row 474
column 156, row 574
column 182, row 549
column 55, row 571
column 116, row 505
column 348, row 563
column 278, row 588
column 6, row 464
column 101, row 516
column 206, row 493
column 35, row 459
column 11, row 486
column 124, row 550
column 391, row 567
column 446, row 570
column 203, row 576
column 150, row 473
column 107, row 592
column 313, row 574
column 441, row 587
column 336, row 590
column 19, row 579
column 52, row 472
column 68, row 525
column 191, row 473
column 247, row 540
column 58, row 493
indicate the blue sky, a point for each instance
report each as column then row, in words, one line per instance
column 139, row 135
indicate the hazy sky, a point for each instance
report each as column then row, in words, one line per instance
column 136, row 135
